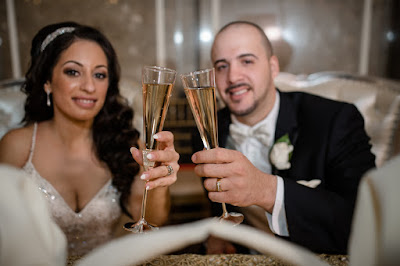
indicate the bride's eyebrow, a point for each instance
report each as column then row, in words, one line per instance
column 72, row 61
column 79, row 64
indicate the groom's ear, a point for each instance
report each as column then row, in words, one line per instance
column 274, row 65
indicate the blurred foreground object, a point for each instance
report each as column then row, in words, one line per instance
column 28, row 235
column 136, row 249
column 375, row 237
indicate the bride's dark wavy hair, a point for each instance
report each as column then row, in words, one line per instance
column 113, row 132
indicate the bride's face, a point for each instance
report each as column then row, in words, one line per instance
column 79, row 81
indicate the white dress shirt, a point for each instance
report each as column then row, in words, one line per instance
column 258, row 155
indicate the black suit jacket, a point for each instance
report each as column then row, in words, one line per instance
column 330, row 144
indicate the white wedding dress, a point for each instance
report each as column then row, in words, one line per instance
column 90, row 227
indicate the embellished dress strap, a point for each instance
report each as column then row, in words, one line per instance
column 33, row 143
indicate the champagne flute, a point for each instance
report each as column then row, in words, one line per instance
column 157, row 85
column 199, row 88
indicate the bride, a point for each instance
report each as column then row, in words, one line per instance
column 78, row 143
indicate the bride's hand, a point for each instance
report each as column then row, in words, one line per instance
column 164, row 174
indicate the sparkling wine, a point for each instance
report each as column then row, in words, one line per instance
column 202, row 101
column 155, row 105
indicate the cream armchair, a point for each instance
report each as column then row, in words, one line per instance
column 11, row 105
column 378, row 100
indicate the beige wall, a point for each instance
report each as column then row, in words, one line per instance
column 316, row 35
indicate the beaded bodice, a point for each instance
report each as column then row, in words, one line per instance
column 90, row 227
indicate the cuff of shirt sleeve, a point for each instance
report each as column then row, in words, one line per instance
column 277, row 221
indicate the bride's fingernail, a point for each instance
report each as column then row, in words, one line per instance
column 155, row 136
column 147, row 187
column 132, row 150
column 144, row 176
column 150, row 156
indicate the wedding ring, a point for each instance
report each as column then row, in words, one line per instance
column 170, row 170
column 219, row 185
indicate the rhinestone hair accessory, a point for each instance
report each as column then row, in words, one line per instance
column 53, row 35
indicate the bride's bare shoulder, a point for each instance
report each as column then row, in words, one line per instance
column 15, row 145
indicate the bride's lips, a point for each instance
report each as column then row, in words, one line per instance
column 84, row 102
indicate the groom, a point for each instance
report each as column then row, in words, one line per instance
column 292, row 161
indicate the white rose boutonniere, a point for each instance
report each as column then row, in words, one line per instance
column 281, row 153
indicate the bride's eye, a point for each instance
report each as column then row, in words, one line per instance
column 100, row 75
column 71, row 72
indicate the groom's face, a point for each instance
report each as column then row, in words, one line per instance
column 244, row 71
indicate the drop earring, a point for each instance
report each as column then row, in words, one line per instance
column 48, row 98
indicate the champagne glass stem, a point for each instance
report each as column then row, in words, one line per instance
column 144, row 200
column 147, row 165
column 142, row 225
column 224, row 211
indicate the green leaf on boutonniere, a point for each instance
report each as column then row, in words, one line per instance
column 285, row 138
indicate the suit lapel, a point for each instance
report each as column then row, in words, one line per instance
column 286, row 124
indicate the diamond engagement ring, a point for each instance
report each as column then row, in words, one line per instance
column 219, row 185
column 170, row 170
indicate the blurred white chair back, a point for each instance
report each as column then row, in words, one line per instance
column 136, row 249
column 375, row 237
column 28, row 235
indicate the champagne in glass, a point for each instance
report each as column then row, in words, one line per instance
column 200, row 91
column 157, row 85
column 155, row 105
column 201, row 101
